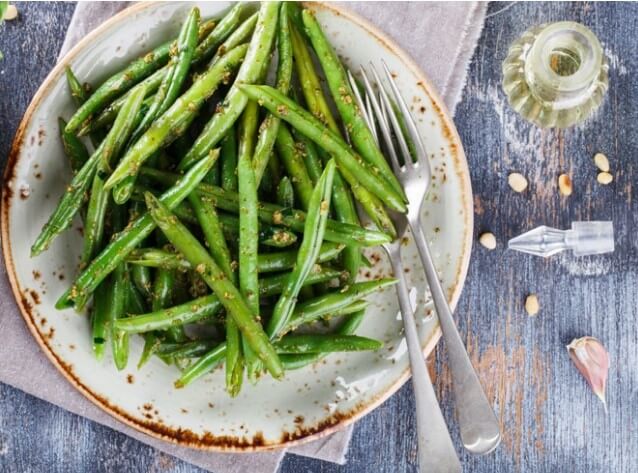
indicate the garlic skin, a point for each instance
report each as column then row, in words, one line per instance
column 592, row 360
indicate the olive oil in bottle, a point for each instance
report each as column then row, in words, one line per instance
column 555, row 75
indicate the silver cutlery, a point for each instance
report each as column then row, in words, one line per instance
column 479, row 428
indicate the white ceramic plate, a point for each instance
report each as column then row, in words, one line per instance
column 308, row 403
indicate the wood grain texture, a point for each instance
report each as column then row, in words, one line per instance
column 551, row 421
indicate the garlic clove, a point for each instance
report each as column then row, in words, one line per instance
column 592, row 360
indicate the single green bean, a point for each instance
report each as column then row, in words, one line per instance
column 228, row 161
column 202, row 366
column 343, row 96
column 118, row 84
column 258, row 54
column 205, row 266
column 178, row 67
column 366, row 174
column 248, row 227
column 309, row 81
column 270, row 125
column 100, row 313
column 78, row 91
column 177, row 118
column 285, row 193
column 118, row 299
column 73, row 148
column 335, row 301
column 94, row 223
column 325, row 343
column 314, row 229
column 191, row 349
column 129, row 238
column 295, row 166
column 69, row 204
column 122, row 128
column 239, row 36
column 266, row 262
column 212, row 228
column 306, row 148
column 338, row 232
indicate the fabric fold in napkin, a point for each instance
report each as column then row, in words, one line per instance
column 440, row 37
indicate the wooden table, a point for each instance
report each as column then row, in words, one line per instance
column 551, row 421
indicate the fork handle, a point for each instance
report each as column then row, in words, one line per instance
column 480, row 431
column 435, row 447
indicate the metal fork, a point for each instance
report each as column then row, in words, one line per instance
column 479, row 428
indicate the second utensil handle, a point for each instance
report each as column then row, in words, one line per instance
column 435, row 447
column 480, row 431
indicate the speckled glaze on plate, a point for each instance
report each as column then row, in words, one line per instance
column 308, row 403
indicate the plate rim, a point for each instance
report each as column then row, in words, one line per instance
column 166, row 433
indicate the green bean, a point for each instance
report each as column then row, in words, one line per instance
column 228, row 177
column 209, row 305
column 343, row 96
column 335, row 301
column 272, row 214
column 178, row 66
column 121, row 130
column 202, row 366
column 107, row 116
column 141, row 276
column 186, row 349
column 207, row 362
column 212, row 228
column 345, row 210
column 225, row 27
column 100, row 313
column 248, row 227
column 258, row 54
column 366, row 174
column 270, row 125
column 314, row 229
column 163, row 297
column 266, row 262
column 295, row 166
column 118, row 84
column 233, row 302
column 151, row 344
column 240, row 36
column 118, row 300
column 272, row 262
column 285, row 193
column 309, row 81
column 325, row 343
column 347, row 327
column 306, row 148
column 78, row 91
column 130, row 237
column 228, row 172
column 177, row 118
column 69, row 204
column 94, row 224
column 151, row 83
column 73, row 148
column 135, row 304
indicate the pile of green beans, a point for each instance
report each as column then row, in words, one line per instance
column 218, row 211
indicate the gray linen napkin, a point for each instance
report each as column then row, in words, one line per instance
column 440, row 37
